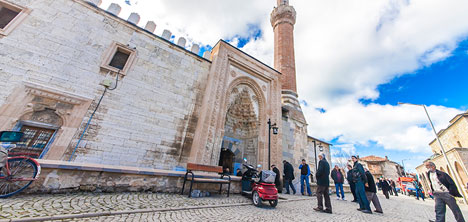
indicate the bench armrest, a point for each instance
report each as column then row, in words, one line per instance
column 185, row 178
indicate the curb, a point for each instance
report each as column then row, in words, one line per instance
column 139, row 211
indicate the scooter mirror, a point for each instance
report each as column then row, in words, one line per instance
column 259, row 166
column 245, row 159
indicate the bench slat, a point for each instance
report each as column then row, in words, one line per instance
column 207, row 168
column 209, row 180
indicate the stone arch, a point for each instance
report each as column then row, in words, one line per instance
column 45, row 116
column 461, row 174
column 245, row 120
column 254, row 86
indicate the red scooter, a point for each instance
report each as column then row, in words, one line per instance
column 260, row 186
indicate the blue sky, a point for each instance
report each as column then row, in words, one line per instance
column 442, row 83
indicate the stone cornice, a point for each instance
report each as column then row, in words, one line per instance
column 55, row 94
column 283, row 14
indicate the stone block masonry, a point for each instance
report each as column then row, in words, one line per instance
column 144, row 122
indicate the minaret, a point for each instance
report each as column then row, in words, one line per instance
column 283, row 19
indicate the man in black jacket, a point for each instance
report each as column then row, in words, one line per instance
column 385, row 187
column 277, row 179
column 360, row 179
column 323, row 181
column 444, row 190
column 288, row 176
column 352, row 185
column 371, row 192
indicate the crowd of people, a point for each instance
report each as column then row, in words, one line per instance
column 364, row 188
column 360, row 180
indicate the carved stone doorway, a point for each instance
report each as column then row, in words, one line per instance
column 241, row 129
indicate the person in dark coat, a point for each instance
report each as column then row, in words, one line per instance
column 277, row 179
column 371, row 192
column 385, row 188
column 390, row 190
column 338, row 178
column 393, row 186
column 444, row 190
column 352, row 186
column 323, row 181
column 288, row 176
column 360, row 179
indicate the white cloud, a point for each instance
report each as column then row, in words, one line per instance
column 344, row 50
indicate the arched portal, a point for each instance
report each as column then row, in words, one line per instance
column 462, row 175
column 241, row 128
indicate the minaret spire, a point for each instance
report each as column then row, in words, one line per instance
column 283, row 19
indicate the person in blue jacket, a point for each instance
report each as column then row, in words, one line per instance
column 305, row 172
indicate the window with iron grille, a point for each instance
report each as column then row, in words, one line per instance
column 34, row 141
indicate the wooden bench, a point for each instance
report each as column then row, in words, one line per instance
column 205, row 168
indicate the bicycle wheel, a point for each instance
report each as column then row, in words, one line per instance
column 23, row 171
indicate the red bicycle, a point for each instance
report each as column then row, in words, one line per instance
column 17, row 172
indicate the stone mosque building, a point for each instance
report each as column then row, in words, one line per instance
column 148, row 104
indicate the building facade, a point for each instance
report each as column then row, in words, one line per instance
column 142, row 100
column 454, row 139
column 382, row 167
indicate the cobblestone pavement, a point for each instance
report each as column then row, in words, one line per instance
column 400, row 208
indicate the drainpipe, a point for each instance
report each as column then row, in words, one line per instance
column 106, row 87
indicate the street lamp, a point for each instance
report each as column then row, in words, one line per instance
column 315, row 151
column 403, row 163
column 441, row 148
column 275, row 131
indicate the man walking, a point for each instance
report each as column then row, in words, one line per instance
column 390, row 190
column 385, row 188
column 419, row 193
column 371, row 192
column 305, row 172
column 277, row 178
column 352, row 186
column 323, row 181
column 393, row 187
column 338, row 178
column 288, row 176
column 360, row 179
column 444, row 191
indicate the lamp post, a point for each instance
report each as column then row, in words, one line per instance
column 403, row 163
column 275, row 131
column 441, row 148
column 315, row 152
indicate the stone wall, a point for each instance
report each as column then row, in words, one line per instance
column 390, row 170
column 149, row 120
column 61, row 177
column 295, row 143
column 456, row 135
